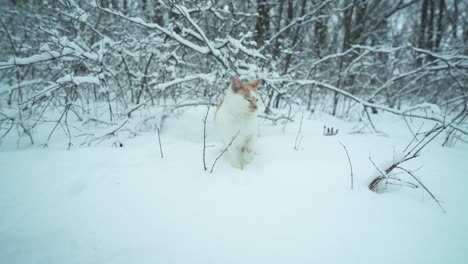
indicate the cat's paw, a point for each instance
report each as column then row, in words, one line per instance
column 237, row 164
column 248, row 157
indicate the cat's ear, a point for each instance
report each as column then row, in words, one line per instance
column 236, row 84
column 256, row 84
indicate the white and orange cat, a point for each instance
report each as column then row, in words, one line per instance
column 236, row 118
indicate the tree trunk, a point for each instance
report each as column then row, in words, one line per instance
column 290, row 12
column 263, row 22
column 455, row 19
column 294, row 38
column 430, row 27
column 276, row 48
column 125, row 7
column 320, row 32
column 144, row 8
column 359, row 24
column 439, row 25
column 422, row 29
column 158, row 17
column 105, row 3
column 347, row 20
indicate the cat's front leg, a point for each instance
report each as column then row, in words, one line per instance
column 248, row 157
column 235, row 158
column 249, row 150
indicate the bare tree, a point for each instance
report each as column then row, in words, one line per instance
column 263, row 22
column 115, row 63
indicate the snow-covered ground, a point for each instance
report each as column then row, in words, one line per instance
column 103, row 204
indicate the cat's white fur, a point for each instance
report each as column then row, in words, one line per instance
column 234, row 118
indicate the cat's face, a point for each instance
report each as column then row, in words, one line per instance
column 248, row 92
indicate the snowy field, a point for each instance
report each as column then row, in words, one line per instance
column 104, row 204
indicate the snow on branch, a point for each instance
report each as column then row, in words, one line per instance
column 69, row 49
column 209, row 49
column 238, row 44
column 378, row 49
column 169, row 33
column 405, row 113
column 297, row 20
column 447, row 57
column 6, row 89
column 426, row 67
column 36, row 58
column 69, row 78
column 163, row 86
column 215, row 52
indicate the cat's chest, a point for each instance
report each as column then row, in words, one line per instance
column 229, row 122
column 238, row 118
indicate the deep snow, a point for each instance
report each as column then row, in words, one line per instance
column 103, row 204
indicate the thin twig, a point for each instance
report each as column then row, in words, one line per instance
column 224, row 150
column 425, row 188
column 297, row 142
column 204, row 134
column 370, row 120
column 57, row 123
column 160, row 145
column 414, row 136
column 406, row 183
column 350, row 165
column 374, row 184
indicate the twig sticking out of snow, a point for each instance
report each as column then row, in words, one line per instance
column 425, row 188
column 298, row 140
column 415, row 136
column 204, row 133
column 389, row 179
column 67, row 107
column 412, row 152
column 373, row 186
column 329, row 131
column 350, row 165
column 110, row 132
column 160, row 145
column 224, row 150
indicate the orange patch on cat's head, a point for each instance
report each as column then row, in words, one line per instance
column 251, row 86
column 247, row 90
column 244, row 88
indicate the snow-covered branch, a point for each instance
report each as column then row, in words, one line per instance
column 36, row 58
column 162, row 86
column 406, row 113
column 170, row 33
column 215, row 52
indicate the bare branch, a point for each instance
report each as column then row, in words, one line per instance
column 425, row 188
column 350, row 165
column 159, row 140
column 224, row 150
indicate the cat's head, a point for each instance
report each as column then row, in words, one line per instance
column 247, row 91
